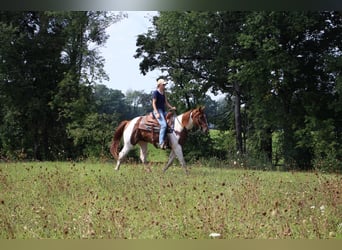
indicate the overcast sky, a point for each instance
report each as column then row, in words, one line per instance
column 120, row 65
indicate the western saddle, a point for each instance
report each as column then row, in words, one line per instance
column 151, row 124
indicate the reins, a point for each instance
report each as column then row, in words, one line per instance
column 175, row 117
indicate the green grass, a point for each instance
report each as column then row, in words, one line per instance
column 89, row 200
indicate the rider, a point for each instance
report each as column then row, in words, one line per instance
column 159, row 101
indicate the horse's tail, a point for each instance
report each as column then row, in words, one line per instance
column 114, row 148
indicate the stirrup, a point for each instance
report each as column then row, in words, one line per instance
column 163, row 146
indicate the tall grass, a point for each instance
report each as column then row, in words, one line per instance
column 89, row 200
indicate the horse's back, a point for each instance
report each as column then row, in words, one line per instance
column 130, row 128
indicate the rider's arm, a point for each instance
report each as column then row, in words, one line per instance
column 154, row 105
column 168, row 104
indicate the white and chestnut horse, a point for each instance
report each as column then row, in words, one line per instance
column 142, row 130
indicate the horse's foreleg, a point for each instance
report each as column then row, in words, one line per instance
column 179, row 153
column 169, row 162
column 176, row 151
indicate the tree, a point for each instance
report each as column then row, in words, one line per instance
column 275, row 66
column 110, row 101
column 85, row 31
column 195, row 48
column 173, row 47
column 47, row 68
column 26, row 87
column 291, row 76
column 139, row 102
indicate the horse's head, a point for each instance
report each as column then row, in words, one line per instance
column 200, row 120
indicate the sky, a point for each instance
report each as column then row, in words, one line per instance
column 120, row 65
column 118, row 52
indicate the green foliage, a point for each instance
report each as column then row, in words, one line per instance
column 197, row 145
column 47, row 67
column 223, row 144
column 190, row 47
column 286, row 76
column 138, row 103
column 10, row 129
column 324, row 147
column 93, row 135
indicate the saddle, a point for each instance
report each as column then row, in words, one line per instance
column 150, row 123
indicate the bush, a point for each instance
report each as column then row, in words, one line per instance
column 223, row 143
column 197, row 145
column 329, row 163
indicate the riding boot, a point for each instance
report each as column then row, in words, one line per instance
column 166, row 139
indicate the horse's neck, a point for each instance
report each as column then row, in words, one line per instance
column 184, row 121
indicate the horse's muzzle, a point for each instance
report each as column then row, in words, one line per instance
column 205, row 130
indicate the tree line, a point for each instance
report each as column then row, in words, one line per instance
column 49, row 65
column 280, row 72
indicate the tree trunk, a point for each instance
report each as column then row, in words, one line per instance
column 237, row 115
column 266, row 144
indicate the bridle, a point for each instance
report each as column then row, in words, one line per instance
column 203, row 125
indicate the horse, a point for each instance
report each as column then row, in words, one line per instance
column 139, row 131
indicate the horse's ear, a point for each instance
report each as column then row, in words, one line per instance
column 202, row 108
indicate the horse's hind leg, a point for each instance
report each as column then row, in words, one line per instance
column 143, row 154
column 143, row 151
column 122, row 155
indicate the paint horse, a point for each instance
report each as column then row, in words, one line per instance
column 142, row 130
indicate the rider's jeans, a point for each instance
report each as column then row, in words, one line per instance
column 163, row 125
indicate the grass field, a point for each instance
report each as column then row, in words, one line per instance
column 89, row 200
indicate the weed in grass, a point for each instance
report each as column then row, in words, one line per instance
column 89, row 200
